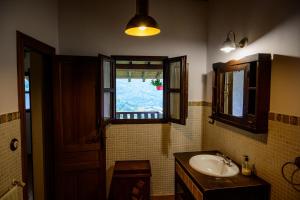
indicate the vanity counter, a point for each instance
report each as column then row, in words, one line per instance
column 215, row 187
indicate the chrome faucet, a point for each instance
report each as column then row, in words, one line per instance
column 226, row 160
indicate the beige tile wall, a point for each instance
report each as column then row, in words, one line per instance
column 267, row 153
column 157, row 143
column 10, row 161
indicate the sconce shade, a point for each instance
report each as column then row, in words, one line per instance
column 228, row 45
column 142, row 24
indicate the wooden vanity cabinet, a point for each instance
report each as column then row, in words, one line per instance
column 185, row 188
column 192, row 185
column 182, row 192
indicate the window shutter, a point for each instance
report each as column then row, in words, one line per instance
column 107, row 89
column 177, row 90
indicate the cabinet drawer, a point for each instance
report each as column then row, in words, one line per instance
column 188, row 182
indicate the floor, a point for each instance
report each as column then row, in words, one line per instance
column 30, row 178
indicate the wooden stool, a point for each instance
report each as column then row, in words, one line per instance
column 131, row 180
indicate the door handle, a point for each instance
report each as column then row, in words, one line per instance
column 102, row 138
column 98, row 123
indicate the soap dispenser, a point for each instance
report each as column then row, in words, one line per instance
column 246, row 169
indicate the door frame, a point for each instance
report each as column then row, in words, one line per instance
column 23, row 41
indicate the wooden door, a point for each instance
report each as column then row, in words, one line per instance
column 80, row 156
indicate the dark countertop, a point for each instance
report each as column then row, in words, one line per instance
column 209, row 183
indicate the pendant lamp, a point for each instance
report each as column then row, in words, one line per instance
column 142, row 24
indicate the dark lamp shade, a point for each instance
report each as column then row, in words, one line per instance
column 142, row 25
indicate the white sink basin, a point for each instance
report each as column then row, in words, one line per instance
column 213, row 165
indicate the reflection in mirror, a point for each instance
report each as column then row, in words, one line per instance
column 221, row 92
column 238, row 93
column 228, row 93
column 232, row 93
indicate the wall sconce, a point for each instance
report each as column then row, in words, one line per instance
column 230, row 43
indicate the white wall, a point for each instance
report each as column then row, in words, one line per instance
column 271, row 26
column 96, row 26
column 37, row 18
column 285, row 84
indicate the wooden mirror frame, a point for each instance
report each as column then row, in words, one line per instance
column 258, row 71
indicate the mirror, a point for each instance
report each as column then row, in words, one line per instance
column 241, row 92
column 232, row 93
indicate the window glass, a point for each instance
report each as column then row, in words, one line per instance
column 27, row 94
column 27, row 101
column 26, row 83
column 106, row 71
column 175, row 105
column 175, row 75
column 139, row 93
column 107, row 96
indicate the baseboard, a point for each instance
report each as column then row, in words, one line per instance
column 168, row 197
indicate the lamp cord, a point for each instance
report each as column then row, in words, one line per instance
column 296, row 186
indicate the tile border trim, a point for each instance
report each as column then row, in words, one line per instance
column 199, row 103
column 9, row 117
column 283, row 118
column 278, row 117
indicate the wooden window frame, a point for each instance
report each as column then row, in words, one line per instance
column 165, row 66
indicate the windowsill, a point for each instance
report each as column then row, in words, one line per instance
column 139, row 121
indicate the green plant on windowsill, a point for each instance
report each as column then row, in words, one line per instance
column 158, row 84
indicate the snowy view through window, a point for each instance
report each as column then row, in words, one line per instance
column 138, row 96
